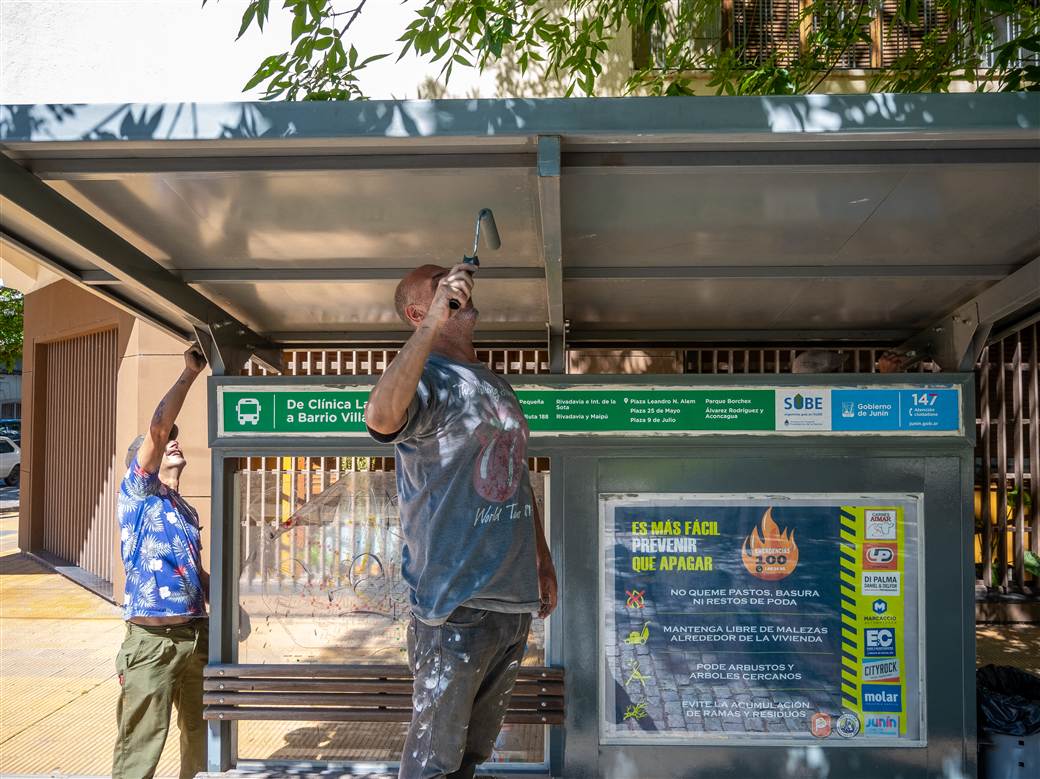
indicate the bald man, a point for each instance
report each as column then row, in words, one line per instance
column 474, row 553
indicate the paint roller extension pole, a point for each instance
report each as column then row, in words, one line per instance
column 485, row 220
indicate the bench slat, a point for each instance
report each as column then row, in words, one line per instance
column 350, row 699
column 356, row 715
column 315, row 670
column 523, row 688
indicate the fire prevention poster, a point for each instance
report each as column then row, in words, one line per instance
column 760, row 618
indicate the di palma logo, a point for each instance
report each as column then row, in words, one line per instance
column 770, row 554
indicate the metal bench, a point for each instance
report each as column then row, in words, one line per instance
column 354, row 693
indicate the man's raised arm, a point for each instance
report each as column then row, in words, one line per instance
column 387, row 408
column 150, row 455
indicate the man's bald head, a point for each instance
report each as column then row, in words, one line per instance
column 415, row 288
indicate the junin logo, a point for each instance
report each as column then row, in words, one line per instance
column 881, row 725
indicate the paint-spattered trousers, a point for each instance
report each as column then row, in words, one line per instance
column 464, row 672
column 160, row 667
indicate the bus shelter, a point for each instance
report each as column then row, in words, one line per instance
column 761, row 575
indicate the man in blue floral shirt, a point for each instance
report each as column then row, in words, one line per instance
column 161, row 660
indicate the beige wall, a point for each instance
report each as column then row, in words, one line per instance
column 150, row 362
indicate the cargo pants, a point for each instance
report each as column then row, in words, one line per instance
column 160, row 667
column 464, row 673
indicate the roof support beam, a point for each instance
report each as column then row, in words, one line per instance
column 955, row 340
column 551, row 229
column 606, row 338
column 126, row 262
column 294, row 274
column 102, row 169
column 113, row 296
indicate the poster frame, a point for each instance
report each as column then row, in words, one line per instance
column 604, row 500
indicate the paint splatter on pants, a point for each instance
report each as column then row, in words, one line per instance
column 464, row 672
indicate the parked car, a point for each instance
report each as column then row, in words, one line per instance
column 10, row 460
column 12, row 428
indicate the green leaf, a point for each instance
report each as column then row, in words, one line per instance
column 247, row 19
column 299, row 23
column 463, row 61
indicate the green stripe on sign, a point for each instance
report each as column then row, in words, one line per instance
column 650, row 411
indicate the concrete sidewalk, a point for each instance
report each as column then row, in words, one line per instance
column 58, row 685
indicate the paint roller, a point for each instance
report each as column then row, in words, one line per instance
column 485, row 221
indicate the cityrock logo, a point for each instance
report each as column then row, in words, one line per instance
column 770, row 555
column 881, row 725
column 882, row 697
column 880, row 557
column 881, row 670
column 879, row 642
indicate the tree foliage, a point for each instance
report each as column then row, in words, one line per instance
column 11, row 335
column 571, row 42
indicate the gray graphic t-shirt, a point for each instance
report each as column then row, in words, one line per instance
column 465, row 494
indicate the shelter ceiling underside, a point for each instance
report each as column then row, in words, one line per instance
column 832, row 234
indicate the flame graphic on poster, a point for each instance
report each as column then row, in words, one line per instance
column 770, row 555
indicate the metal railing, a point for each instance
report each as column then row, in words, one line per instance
column 1008, row 463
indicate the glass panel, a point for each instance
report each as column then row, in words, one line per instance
column 321, row 583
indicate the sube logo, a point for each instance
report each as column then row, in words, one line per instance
column 879, row 642
column 880, row 557
column 802, row 403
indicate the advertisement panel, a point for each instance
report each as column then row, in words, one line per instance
column 761, row 618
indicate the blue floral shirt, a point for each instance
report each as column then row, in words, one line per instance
column 160, row 545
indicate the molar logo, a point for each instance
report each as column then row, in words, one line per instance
column 770, row 555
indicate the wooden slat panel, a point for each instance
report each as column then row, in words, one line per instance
column 80, row 472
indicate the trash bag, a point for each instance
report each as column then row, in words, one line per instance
column 1008, row 700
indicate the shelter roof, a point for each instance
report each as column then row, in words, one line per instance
column 627, row 220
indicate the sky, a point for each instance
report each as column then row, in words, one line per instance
column 114, row 51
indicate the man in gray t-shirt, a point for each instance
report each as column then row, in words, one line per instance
column 474, row 552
